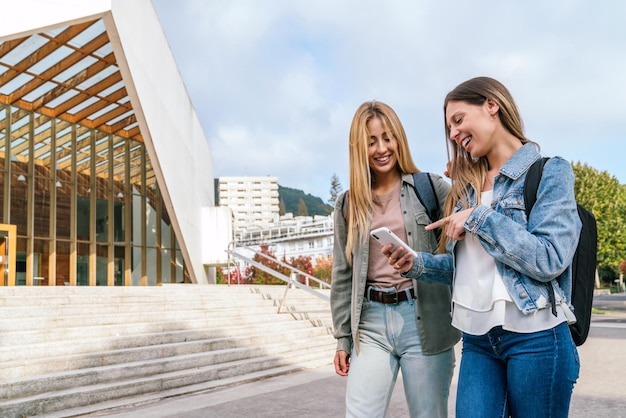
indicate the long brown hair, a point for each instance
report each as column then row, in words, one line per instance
column 359, row 204
column 465, row 170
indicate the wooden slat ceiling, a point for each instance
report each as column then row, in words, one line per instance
column 71, row 74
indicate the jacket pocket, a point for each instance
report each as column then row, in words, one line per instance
column 512, row 205
column 426, row 240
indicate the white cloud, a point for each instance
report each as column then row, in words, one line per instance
column 275, row 83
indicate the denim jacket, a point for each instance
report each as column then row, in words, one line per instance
column 433, row 301
column 531, row 254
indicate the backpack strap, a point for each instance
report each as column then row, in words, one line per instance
column 425, row 191
column 531, row 184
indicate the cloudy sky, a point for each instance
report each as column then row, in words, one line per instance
column 275, row 83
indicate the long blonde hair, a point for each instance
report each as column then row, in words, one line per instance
column 463, row 169
column 359, row 202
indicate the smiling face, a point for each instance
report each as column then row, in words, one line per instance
column 472, row 127
column 382, row 149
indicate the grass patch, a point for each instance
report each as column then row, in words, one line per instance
column 599, row 311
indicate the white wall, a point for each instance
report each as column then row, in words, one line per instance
column 171, row 130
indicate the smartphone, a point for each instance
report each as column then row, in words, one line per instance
column 385, row 235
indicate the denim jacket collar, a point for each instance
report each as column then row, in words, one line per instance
column 519, row 163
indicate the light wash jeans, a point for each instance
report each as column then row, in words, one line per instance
column 389, row 341
column 505, row 374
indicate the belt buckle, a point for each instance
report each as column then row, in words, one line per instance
column 395, row 297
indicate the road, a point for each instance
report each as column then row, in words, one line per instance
column 615, row 302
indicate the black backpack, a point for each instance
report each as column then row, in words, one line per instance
column 585, row 257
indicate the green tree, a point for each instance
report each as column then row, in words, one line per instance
column 314, row 205
column 605, row 197
column 281, row 207
column 335, row 189
column 302, row 209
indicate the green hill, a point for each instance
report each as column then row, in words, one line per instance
column 314, row 205
column 291, row 197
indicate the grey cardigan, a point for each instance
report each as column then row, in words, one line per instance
column 433, row 307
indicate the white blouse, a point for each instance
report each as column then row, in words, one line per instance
column 480, row 300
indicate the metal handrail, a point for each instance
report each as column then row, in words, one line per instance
column 289, row 281
column 321, row 283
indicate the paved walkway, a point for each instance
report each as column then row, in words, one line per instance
column 599, row 393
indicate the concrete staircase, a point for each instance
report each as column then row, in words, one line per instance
column 70, row 351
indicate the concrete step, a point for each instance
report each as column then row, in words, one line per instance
column 31, row 336
column 57, row 381
column 186, row 381
column 70, row 348
column 37, row 348
column 28, row 366
column 82, row 306
column 111, row 406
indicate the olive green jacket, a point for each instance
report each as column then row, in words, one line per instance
column 433, row 307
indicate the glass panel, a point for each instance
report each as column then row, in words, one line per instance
column 74, row 69
column 136, row 267
column 166, row 266
column 18, row 203
column 119, row 265
column 64, row 218
column 42, row 207
column 15, row 83
column 41, row 257
column 102, row 219
column 151, row 228
column 52, row 59
column 166, row 235
column 88, row 34
column 20, row 269
column 39, row 91
column 180, row 277
column 151, row 261
column 137, row 237
column 83, row 158
column 24, row 49
column 119, row 222
column 101, row 265
column 82, row 219
column 63, row 263
column 82, row 264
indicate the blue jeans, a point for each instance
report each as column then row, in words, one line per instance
column 505, row 374
column 389, row 341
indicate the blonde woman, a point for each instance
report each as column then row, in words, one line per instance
column 384, row 322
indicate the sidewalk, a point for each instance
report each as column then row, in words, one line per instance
column 600, row 391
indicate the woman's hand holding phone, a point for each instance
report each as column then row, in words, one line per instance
column 400, row 255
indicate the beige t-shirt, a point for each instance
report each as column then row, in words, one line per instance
column 387, row 213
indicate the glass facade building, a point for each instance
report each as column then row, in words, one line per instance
column 80, row 196
column 85, row 204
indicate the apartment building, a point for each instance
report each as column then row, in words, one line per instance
column 294, row 236
column 253, row 201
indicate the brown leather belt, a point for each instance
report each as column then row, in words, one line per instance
column 388, row 297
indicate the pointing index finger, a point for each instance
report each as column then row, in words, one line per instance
column 438, row 224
